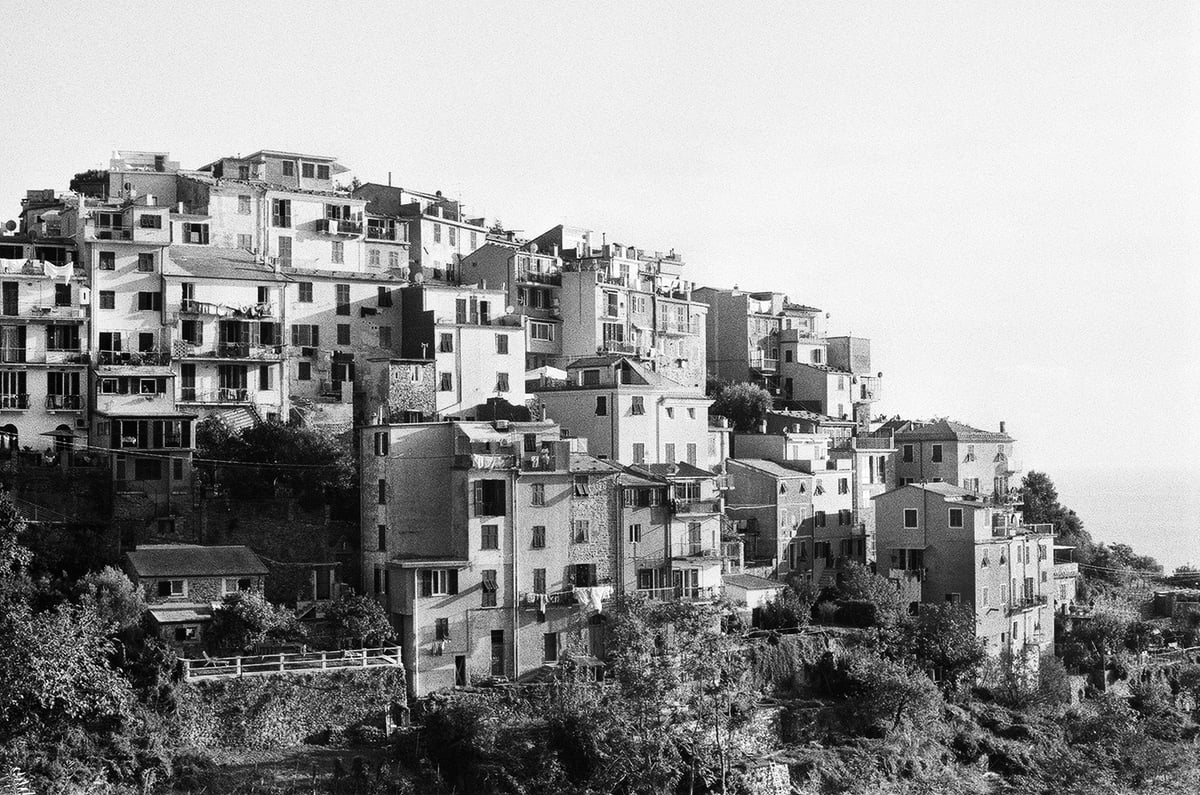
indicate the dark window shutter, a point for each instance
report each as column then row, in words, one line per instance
column 426, row 582
column 452, row 581
column 295, row 334
column 316, row 340
column 478, row 497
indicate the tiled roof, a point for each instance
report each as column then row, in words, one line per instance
column 678, row 470
column 948, row 429
column 217, row 263
column 771, row 467
column 752, row 582
column 583, row 462
column 171, row 560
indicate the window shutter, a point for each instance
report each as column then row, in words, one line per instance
column 452, row 581
column 295, row 334
column 426, row 582
column 477, row 497
column 316, row 334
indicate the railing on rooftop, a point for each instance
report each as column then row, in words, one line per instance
column 393, row 233
column 189, row 394
column 538, row 277
column 695, row 506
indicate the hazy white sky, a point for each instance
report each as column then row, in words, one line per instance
column 1004, row 197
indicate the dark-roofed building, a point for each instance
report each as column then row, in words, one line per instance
column 947, row 451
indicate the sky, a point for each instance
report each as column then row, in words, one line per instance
column 1003, row 197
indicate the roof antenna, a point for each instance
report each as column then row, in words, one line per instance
column 389, row 179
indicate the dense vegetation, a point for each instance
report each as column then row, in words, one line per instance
column 840, row 687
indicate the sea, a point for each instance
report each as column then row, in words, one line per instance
column 1154, row 510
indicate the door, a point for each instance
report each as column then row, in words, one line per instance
column 497, row 652
column 10, row 298
column 460, row 671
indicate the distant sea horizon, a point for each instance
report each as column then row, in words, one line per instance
column 1156, row 510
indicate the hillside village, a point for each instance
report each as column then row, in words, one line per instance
column 501, row 442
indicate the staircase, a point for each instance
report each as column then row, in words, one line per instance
column 240, row 418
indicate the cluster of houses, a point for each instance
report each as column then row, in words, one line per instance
column 530, row 415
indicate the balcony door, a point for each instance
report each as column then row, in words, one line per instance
column 10, row 305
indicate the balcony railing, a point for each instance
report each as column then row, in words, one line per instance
column 64, row 402
column 907, row 574
column 681, row 594
column 189, row 394
column 683, row 328
column 236, row 350
column 695, row 506
column 1026, row 603
column 1001, row 529
column 539, row 277
column 11, row 354
column 159, row 358
column 190, row 306
column 760, row 361
column 53, row 312
column 375, row 232
column 14, row 401
column 339, row 226
column 112, row 233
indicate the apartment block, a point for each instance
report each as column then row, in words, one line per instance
column 477, row 348
column 944, row 451
column 770, row 504
column 628, row 412
column 943, row 543
column 626, row 300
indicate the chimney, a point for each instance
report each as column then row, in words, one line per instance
column 762, row 426
column 389, row 179
column 1001, row 426
column 181, row 208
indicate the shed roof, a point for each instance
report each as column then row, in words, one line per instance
column 752, row 582
column 171, row 560
column 951, row 430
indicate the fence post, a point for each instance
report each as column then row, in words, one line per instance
column 238, row 660
column 324, row 659
column 281, row 668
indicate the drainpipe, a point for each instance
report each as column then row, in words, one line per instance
column 512, row 538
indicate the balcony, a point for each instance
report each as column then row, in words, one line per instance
column 51, row 312
column 1003, row 529
column 684, row 329
column 190, row 306
column 538, row 277
column 695, row 507
column 64, row 402
column 12, row 354
column 907, row 574
column 159, row 358
column 341, row 227
column 681, row 594
column 619, row 346
column 759, row 361
column 223, row 395
column 485, row 461
column 1026, row 603
column 112, row 233
column 235, row 350
column 14, row 401
column 394, row 234
column 866, row 388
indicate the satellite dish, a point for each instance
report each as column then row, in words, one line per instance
column 510, row 309
column 10, row 225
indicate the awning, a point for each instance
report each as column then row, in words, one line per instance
column 477, row 432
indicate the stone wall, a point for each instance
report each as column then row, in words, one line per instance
column 284, row 710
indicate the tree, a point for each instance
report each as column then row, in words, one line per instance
column 943, row 638
column 311, row 463
column 882, row 694
column 791, row 608
column 1041, row 506
column 244, row 620
column 860, row 583
column 117, row 603
column 744, row 404
column 15, row 557
column 360, row 618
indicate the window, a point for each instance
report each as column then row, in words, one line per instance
column 149, row 302
column 956, row 517
column 264, row 377
column 637, row 405
column 635, row 533
column 437, row 233
column 243, row 205
column 670, row 412
column 490, row 588
column 581, row 486
column 145, row 262
column 819, row 518
column 501, row 382
column 541, row 331
column 245, row 241
column 306, row 292
column 169, row 588
column 303, row 371
column 441, row 629
column 539, row 537
column 343, row 333
column 385, row 338
column 62, row 294
column 150, row 222
column 322, row 172
column 382, row 491
column 445, row 382
column 583, row 531
column 539, row 580
column 281, row 214
column 234, row 585
column 843, row 486
column 502, row 344
column 489, row 536
column 342, row 297
column 108, row 260
column 385, row 297
column 393, row 259
column 538, row 494
column 145, row 341
column 373, row 258
column 306, row 335
column 908, row 453
column 289, row 168
column 489, row 498
column 910, row 518
column 338, row 254
column 446, row 343
column 845, row 517
column 108, row 299
column 669, row 453
column 382, row 443
column 439, row 582
column 584, row 575
column 307, row 170
column 639, row 453
column 382, row 536
column 601, row 405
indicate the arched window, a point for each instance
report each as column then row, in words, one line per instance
column 64, row 438
column 8, row 437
